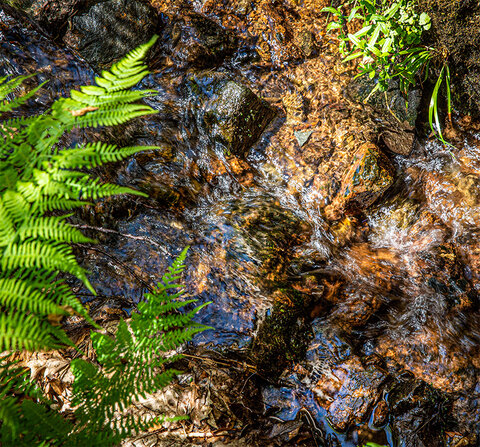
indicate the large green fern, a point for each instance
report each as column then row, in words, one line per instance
column 38, row 181
column 38, row 177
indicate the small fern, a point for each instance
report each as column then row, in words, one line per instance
column 132, row 364
column 38, row 178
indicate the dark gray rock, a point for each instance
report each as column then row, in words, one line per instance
column 109, row 30
column 53, row 15
column 24, row 50
column 398, row 114
column 198, row 41
column 405, row 109
column 229, row 112
column 418, row 414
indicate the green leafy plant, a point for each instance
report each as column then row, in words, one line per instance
column 388, row 41
column 39, row 183
column 433, row 106
column 388, row 46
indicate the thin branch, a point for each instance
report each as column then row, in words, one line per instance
column 129, row 236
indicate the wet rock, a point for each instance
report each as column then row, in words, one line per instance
column 294, row 106
column 359, row 391
column 282, row 337
column 368, row 177
column 276, row 42
column 347, row 388
column 109, row 30
column 355, row 308
column 380, row 415
column 198, row 41
column 305, row 40
column 392, row 102
column 24, row 50
column 231, row 114
column 398, row 113
column 243, row 6
column 302, row 136
column 454, row 198
column 53, row 15
column 419, row 414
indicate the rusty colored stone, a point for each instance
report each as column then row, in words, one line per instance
column 369, row 176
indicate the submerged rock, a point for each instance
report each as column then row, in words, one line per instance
column 109, row 30
column 231, row 115
column 368, row 177
column 411, row 403
column 25, row 51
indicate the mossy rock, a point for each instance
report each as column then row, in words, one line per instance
column 231, row 114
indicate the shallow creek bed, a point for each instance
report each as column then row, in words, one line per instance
column 339, row 250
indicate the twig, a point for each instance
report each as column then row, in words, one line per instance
column 129, row 236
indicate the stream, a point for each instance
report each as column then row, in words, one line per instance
column 350, row 309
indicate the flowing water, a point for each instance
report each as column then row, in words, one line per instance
column 342, row 315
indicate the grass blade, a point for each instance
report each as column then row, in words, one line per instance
column 449, row 94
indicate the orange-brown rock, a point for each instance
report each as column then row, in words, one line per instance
column 368, row 177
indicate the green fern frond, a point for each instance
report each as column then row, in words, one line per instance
column 16, row 206
column 26, row 417
column 113, row 116
column 25, row 296
column 43, row 255
column 37, row 177
column 128, row 360
column 8, row 106
column 94, row 154
column 83, row 98
column 19, row 331
column 53, row 228
column 8, row 87
column 7, row 228
column 46, row 204
column 127, row 72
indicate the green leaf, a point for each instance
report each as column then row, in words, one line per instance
column 331, row 10
column 433, row 107
column 353, row 56
column 363, row 31
column 424, row 19
column 356, row 41
column 352, row 14
column 334, row 25
column 373, row 39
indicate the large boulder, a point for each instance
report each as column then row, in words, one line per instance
column 229, row 112
column 109, row 30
